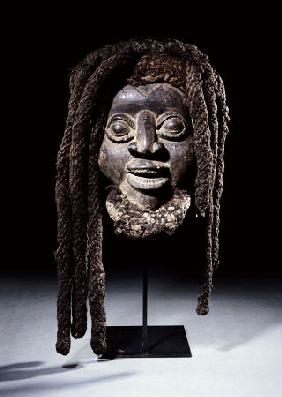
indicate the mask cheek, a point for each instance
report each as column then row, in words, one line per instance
column 179, row 163
column 112, row 161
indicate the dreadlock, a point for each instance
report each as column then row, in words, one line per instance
column 78, row 187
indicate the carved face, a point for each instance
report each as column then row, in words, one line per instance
column 147, row 146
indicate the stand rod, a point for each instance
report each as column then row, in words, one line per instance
column 145, row 313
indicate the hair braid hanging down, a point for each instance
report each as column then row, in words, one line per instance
column 78, row 192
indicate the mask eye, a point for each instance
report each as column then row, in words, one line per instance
column 171, row 127
column 119, row 129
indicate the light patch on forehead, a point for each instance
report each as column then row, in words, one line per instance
column 130, row 92
column 148, row 92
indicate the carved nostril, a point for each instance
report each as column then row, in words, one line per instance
column 132, row 148
column 157, row 151
column 158, row 146
column 155, row 148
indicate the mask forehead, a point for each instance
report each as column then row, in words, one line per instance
column 158, row 98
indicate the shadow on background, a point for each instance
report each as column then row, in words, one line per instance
column 20, row 371
column 24, row 370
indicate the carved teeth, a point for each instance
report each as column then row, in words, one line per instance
column 139, row 182
column 144, row 171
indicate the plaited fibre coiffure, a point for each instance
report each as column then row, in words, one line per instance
column 93, row 83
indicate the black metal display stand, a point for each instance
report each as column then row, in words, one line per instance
column 146, row 341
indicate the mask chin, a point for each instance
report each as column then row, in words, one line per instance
column 134, row 222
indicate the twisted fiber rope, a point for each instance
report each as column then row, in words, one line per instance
column 205, row 169
column 64, row 256
column 64, row 251
column 79, row 188
column 81, row 213
column 206, row 286
column 159, row 68
column 81, row 75
column 209, row 86
column 223, row 119
column 87, row 81
column 94, row 249
column 219, row 127
column 202, row 146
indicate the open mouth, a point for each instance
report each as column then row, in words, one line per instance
column 146, row 174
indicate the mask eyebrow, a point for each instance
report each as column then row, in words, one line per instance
column 166, row 115
column 121, row 116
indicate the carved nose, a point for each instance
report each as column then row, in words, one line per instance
column 145, row 143
column 154, row 149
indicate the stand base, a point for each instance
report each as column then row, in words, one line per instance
column 163, row 341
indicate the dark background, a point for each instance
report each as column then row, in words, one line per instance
column 40, row 50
